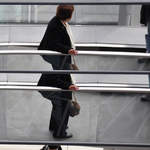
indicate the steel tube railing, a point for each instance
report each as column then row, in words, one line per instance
column 93, row 53
column 83, row 84
column 75, row 2
column 81, row 89
column 33, row 44
column 100, row 144
column 36, row 44
column 76, row 72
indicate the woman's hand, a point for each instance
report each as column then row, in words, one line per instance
column 73, row 87
column 73, row 52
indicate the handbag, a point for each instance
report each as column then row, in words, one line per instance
column 74, row 107
column 74, row 65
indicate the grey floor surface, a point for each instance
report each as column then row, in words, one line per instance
column 104, row 118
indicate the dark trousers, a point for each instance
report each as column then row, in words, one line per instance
column 60, row 110
column 147, row 39
column 59, row 116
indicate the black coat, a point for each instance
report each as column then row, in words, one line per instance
column 57, row 39
column 145, row 14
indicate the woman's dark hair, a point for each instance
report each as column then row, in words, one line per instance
column 64, row 11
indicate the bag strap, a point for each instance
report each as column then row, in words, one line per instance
column 73, row 58
column 64, row 60
column 74, row 97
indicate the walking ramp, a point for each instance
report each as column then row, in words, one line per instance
column 110, row 87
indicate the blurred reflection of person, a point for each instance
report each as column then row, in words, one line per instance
column 58, row 37
column 145, row 20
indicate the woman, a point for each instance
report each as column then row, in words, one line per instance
column 58, row 38
column 145, row 19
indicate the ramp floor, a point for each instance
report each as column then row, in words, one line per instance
column 104, row 118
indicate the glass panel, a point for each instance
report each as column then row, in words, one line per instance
column 128, row 15
column 10, row 13
column 42, row 14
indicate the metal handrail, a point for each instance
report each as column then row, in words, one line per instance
column 33, row 44
column 116, row 45
column 94, row 53
column 75, row 2
column 76, row 72
column 60, row 142
column 83, row 84
column 81, row 89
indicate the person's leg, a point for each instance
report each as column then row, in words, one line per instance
column 65, row 101
column 65, row 118
column 146, row 97
column 148, row 28
column 147, row 38
column 52, row 123
column 51, row 147
column 60, row 109
column 60, row 114
column 56, row 147
column 61, row 120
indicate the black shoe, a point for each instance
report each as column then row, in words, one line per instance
column 66, row 135
column 145, row 98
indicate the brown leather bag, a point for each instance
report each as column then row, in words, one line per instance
column 74, row 107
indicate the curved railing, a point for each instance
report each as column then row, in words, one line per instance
column 75, row 2
column 81, row 89
column 110, row 45
column 97, row 53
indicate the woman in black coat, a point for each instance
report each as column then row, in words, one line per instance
column 56, row 38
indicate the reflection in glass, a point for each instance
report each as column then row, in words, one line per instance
column 105, row 14
column 101, row 14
